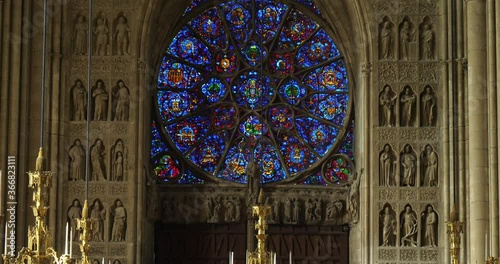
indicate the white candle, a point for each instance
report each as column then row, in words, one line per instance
column 275, row 258
column 485, row 245
column 66, row 240
column 5, row 243
column 290, row 257
column 102, row 260
column 71, row 243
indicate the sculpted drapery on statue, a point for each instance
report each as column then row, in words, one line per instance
column 253, row 175
column 430, row 219
column 388, row 227
column 79, row 100
column 409, row 227
column 408, row 166
column 119, row 222
column 387, row 167
column 77, row 161
column 387, row 100
column 430, row 167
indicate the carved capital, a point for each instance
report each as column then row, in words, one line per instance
column 464, row 62
column 366, row 68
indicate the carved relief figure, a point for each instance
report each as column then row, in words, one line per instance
column 230, row 215
column 428, row 107
column 388, row 226
column 276, row 211
column 217, row 209
column 405, row 37
column 430, row 167
column 119, row 225
column 237, row 202
column 122, row 36
column 80, row 36
column 253, row 176
column 118, row 161
column 97, row 154
column 77, row 161
column 317, row 210
column 309, row 211
column 427, row 42
column 408, row 166
column 79, row 100
column 168, row 210
column 387, row 100
column 98, row 215
column 74, row 213
column 296, row 211
column 409, row 227
column 122, row 102
column 100, row 101
column 407, row 105
column 353, row 198
column 386, row 39
column 387, row 167
column 101, row 32
column 430, row 219
column 288, row 212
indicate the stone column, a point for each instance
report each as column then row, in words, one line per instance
column 477, row 129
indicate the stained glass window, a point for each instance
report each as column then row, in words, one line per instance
column 253, row 80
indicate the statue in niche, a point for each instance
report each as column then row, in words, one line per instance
column 309, row 216
column 387, row 101
column 387, row 167
column 408, row 166
column 296, row 211
column 430, row 167
column 276, row 210
column 405, row 36
column 427, row 42
column 388, row 227
column 253, row 176
column 122, row 102
column 98, row 215
column 101, row 32
column 122, row 36
column 118, row 161
column 100, row 101
column 116, row 261
column 428, row 107
column 217, row 209
column 97, row 154
column 74, row 213
column 409, row 227
column 407, row 104
column 77, row 161
column 288, row 212
column 237, row 203
column 386, row 39
column 230, row 210
column 429, row 221
column 119, row 224
column 79, row 97
column 353, row 198
column 317, row 210
column 80, row 36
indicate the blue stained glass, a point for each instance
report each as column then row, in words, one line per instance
column 318, row 135
column 187, row 132
column 297, row 156
column 254, row 53
column 317, row 50
column 177, row 75
column 297, row 28
column 253, row 90
column 347, row 147
column 253, row 127
column 267, row 156
column 315, row 179
column 209, row 153
column 209, row 26
column 214, row 90
column 188, row 47
column 225, row 117
column 269, row 16
column 292, row 91
column 238, row 17
column 234, row 166
column 311, row 5
column 190, row 178
column 281, row 117
column 332, row 107
column 331, row 77
column 167, row 168
column 157, row 144
column 193, row 5
column 177, row 104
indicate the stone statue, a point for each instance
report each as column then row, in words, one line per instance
column 430, row 227
column 387, row 100
column 80, row 36
column 276, row 210
column 353, row 198
column 431, row 167
column 119, row 222
column 387, row 167
column 122, row 36
column 253, row 176
column 427, row 43
column 408, row 166
column 407, row 105
column 296, row 211
column 388, row 226
column 98, row 215
column 100, row 101
column 102, row 37
column 122, row 98
column 118, row 161
column 97, row 161
column 237, row 203
column 309, row 211
column 74, row 213
column 288, row 212
column 217, row 209
column 405, row 37
column 118, row 167
column 317, row 210
column 230, row 215
column 409, row 227
column 79, row 97
column 386, row 41
column 77, row 161
column 428, row 105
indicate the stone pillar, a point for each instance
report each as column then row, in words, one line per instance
column 478, row 129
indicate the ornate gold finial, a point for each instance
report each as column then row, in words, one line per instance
column 85, row 211
column 453, row 228
column 40, row 160
column 260, row 200
column 84, row 225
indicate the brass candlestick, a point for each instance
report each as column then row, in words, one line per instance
column 84, row 225
column 260, row 255
column 454, row 228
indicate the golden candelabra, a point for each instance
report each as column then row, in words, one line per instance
column 39, row 249
column 454, row 228
column 84, row 226
column 260, row 255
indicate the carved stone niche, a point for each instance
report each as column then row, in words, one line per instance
column 427, row 40
column 117, row 222
column 121, row 35
column 428, row 107
column 430, row 220
column 387, row 103
column 409, row 227
column 388, row 226
column 407, row 106
column 79, row 37
column 407, row 43
column 121, row 102
column 226, row 205
column 100, row 101
column 387, row 167
column 408, row 169
column 78, row 94
column 386, row 35
column 429, row 167
column 119, row 161
column 101, row 35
